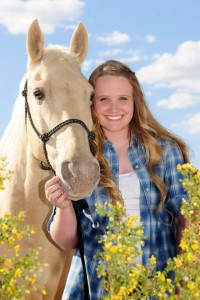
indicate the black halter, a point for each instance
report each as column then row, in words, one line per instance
column 46, row 136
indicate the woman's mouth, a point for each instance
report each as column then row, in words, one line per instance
column 114, row 118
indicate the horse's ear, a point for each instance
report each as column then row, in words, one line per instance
column 35, row 42
column 79, row 43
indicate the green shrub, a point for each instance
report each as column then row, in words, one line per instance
column 19, row 270
column 123, row 278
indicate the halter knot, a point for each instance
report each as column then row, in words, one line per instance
column 45, row 137
column 24, row 92
column 91, row 136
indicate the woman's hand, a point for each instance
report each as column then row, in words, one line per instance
column 55, row 193
column 63, row 228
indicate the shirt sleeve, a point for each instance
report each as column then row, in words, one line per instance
column 51, row 219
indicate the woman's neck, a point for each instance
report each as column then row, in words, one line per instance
column 119, row 139
column 121, row 142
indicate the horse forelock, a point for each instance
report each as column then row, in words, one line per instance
column 56, row 52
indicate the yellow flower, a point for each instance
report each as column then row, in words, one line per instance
column 107, row 257
column 169, row 280
column 161, row 276
column 130, row 223
column 8, row 263
column 190, row 285
column 190, row 256
column 108, row 245
column 119, row 205
column 2, row 270
column 44, row 292
column 152, row 260
column 197, row 176
column 7, row 215
column 113, row 249
column 179, row 167
column 140, row 232
column 135, row 282
column 32, row 279
column 2, row 187
column 11, row 240
column 27, row 292
column 18, row 273
column 188, row 166
column 33, row 231
column 178, row 262
column 194, row 246
column 19, row 235
column 16, row 248
column 21, row 215
column 12, row 282
column 183, row 245
column 4, row 226
column 10, row 290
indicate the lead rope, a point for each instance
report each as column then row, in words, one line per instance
column 78, row 205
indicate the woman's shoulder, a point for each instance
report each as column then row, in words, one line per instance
column 171, row 151
column 166, row 143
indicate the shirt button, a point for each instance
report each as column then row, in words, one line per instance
column 136, row 166
column 147, row 189
column 114, row 170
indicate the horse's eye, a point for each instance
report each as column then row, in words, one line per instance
column 92, row 96
column 39, row 94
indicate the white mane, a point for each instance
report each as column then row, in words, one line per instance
column 15, row 129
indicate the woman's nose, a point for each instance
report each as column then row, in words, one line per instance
column 113, row 106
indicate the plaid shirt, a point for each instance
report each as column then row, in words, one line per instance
column 160, row 236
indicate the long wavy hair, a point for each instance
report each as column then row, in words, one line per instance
column 143, row 124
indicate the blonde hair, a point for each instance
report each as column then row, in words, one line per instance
column 143, row 125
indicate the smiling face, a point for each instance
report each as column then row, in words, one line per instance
column 113, row 104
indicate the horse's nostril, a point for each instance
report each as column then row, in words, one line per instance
column 66, row 171
column 74, row 172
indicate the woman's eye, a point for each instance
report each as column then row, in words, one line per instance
column 123, row 98
column 103, row 99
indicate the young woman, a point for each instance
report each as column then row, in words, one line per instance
column 139, row 156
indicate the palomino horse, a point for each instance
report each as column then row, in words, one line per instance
column 54, row 129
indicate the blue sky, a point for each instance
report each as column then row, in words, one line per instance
column 160, row 40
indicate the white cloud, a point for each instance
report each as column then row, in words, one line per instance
column 111, row 52
column 193, row 123
column 150, row 38
column 179, row 101
column 179, row 70
column 114, row 38
column 17, row 15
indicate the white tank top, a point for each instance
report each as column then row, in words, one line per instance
column 129, row 187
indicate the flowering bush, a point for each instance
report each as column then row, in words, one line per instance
column 19, row 270
column 125, row 278
column 5, row 174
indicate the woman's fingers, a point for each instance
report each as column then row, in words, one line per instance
column 52, row 186
column 52, row 181
column 55, row 193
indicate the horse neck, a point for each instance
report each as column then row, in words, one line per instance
column 26, row 186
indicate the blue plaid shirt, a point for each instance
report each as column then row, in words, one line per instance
column 160, row 237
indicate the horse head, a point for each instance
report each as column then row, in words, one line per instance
column 57, row 92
